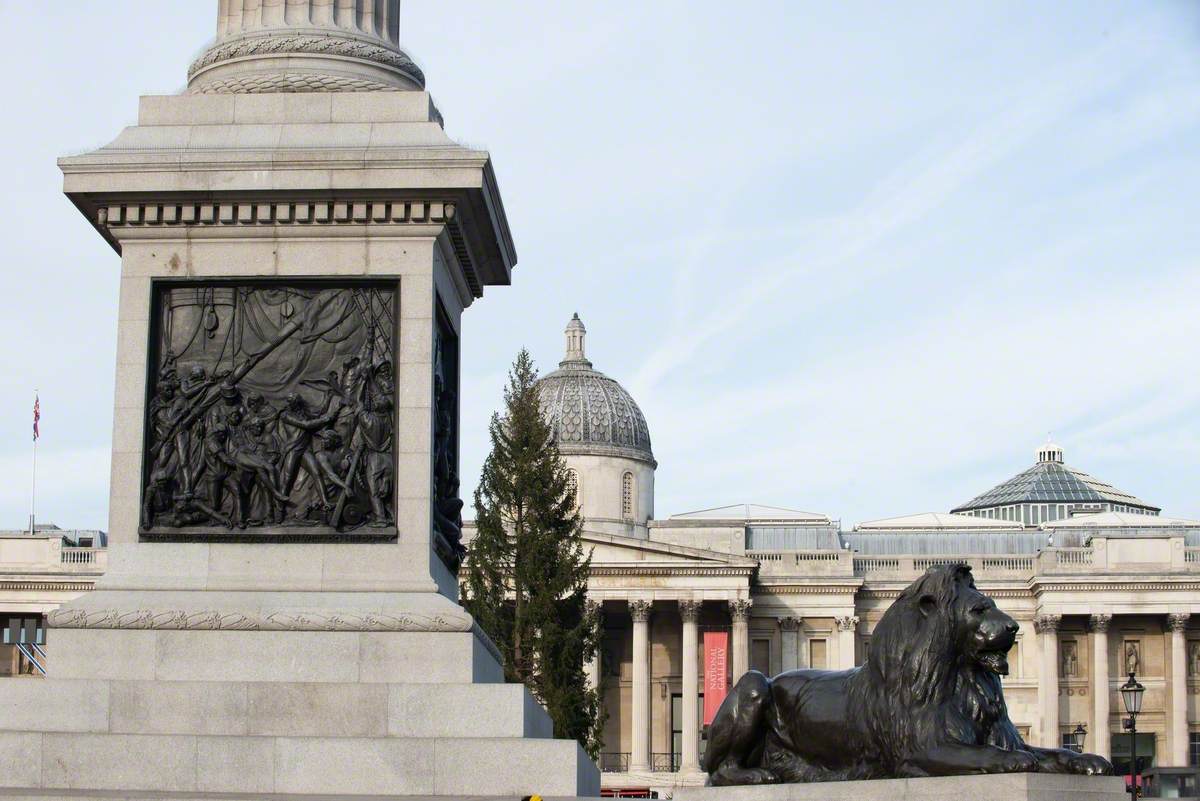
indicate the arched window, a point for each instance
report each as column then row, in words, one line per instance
column 627, row 496
column 573, row 485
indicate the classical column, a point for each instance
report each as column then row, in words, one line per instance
column 639, row 758
column 846, row 628
column 689, row 611
column 739, row 610
column 1047, row 627
column 1101, row 738
column 1177, row 624
column 593, row 666
column 789, row 629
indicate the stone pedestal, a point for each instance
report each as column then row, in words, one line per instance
column 324, row 653
column 996, row 787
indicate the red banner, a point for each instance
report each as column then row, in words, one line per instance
column 716, row 672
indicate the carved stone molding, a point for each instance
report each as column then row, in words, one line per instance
column 275, row 212
column 690, row 610
column 217, row 620
column 1044, row 624
column 648, row 569
column 739, row 609
column 849, row 623
column 639, row 610
column 323, row 44
column 790, row 623
column 1178, row 622
column 1100, row 623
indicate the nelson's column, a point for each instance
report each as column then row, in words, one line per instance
column 298, row 241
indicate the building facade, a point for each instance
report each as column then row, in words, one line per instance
column 39, row 572
column 1101, row 584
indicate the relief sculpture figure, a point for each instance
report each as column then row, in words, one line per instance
column 927, row 702
column 270, row 411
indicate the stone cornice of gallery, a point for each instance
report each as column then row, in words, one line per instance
column 1114, row 583
column 669, row 569
column 35, row 584
column 891, row 594
column 822, row 586
column 890, row 590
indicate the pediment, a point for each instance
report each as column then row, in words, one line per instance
column 615, row 549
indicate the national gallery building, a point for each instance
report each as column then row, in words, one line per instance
column 1101, row 583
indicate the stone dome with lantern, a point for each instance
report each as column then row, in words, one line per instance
column 603, row 437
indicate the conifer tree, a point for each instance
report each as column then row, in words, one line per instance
column 527, row 570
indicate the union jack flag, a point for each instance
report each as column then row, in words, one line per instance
column 37, row 415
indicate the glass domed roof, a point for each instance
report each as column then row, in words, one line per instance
column 588, row 412
column 1052, row 481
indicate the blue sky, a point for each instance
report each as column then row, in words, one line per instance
column 854, row 258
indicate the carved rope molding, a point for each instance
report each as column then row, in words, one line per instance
column 214, row 620
column 324, row 45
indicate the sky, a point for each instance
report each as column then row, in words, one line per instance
column 852, row 258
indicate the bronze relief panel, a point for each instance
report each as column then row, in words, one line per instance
column 270, row 413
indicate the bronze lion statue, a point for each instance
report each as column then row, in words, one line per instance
column 927, row 702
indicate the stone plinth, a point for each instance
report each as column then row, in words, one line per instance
column 994, row 787
column 309, row 648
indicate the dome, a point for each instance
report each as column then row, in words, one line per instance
column 588, row 412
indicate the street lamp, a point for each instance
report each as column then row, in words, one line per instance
column 1131, row 695
column 1078, row 737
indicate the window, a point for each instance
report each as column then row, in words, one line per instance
column 1194, row 748
column 818, row 654
column 627, row 496
column 760, row 656
column 573, row 486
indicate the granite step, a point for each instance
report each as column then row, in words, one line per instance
column 98, row 706
column 254, row 767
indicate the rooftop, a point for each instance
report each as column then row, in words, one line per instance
column 937, row 521
column 756, row 513
column 1052, row 481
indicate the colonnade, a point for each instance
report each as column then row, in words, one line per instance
column 1102, row 685
column 641, row 613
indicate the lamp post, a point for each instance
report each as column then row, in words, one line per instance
column 1078, row 737
column 1131, row 695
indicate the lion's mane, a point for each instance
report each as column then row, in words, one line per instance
column 916, row 688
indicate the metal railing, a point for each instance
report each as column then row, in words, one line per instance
column 614, row 761
column 664, row 763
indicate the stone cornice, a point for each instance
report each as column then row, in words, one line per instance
column 661, row 569
column 809, row 589
column 892, row 594
column 122, row 219
column 274, row 212
column 81, row 585
column 1122, row 584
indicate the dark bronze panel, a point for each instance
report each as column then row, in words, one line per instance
column 271, row 412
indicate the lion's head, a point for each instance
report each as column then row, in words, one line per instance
column 939, row 627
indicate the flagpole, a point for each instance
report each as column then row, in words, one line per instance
column 33, row 490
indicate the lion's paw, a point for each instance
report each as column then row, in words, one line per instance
column 1090, row 765
column 1018, row 762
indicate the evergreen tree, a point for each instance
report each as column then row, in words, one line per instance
column 527, row 570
